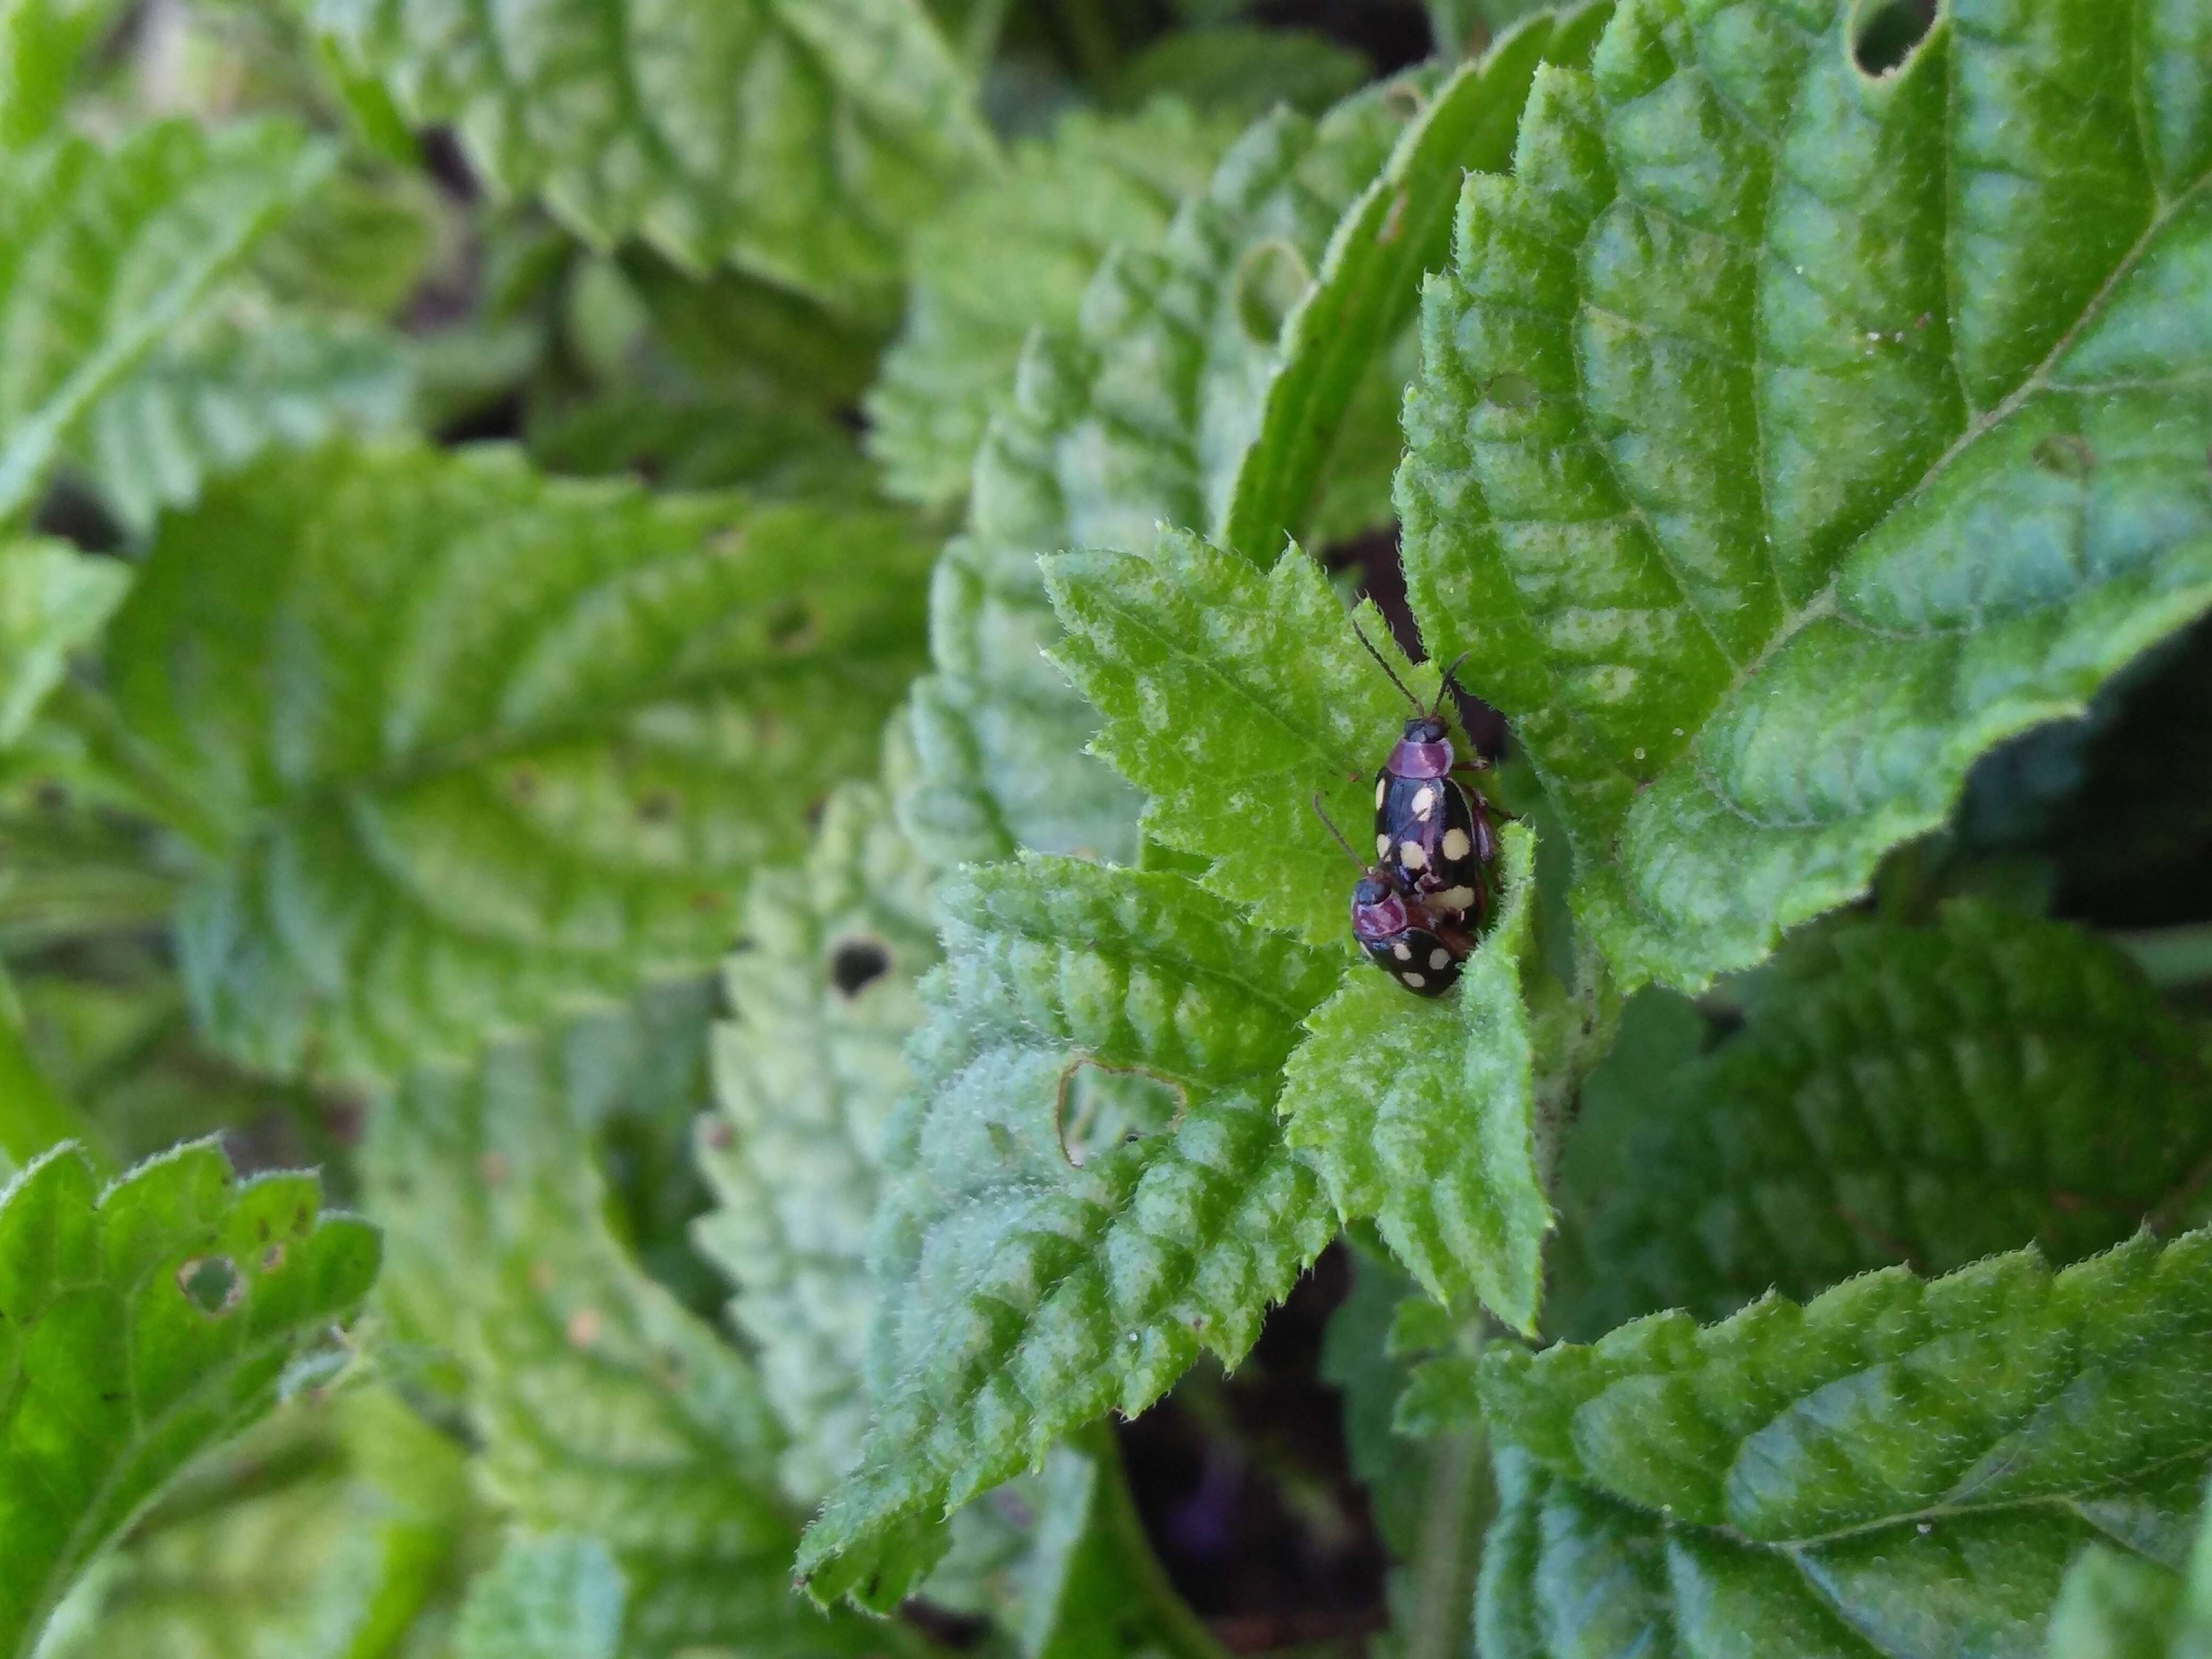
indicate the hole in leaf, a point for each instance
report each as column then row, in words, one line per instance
column 856, row 962
column 212, row 1284
column 1102, row 1107
column 1271, row 279
column 2066, row 454
column 1887, row 34
column 272, row 1258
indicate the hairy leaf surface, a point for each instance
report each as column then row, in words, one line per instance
column 1788, row 435
column 601, row 1404
column 1013, row 254
column 1087, row 1188
column 54, row 600
column 1422, row 1115
column 521, row 757
column 1233, row 697
column 1136, row 417
column 103, row 254
column 144, row 1323
column 1922, row 1097
column 806, row 1076
column 799, row 140
column 2114, row 1604
column 1900, row 1467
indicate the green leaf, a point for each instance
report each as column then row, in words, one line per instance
column 1899, row 1095
column 103, row 255
column 1139, row 416
column 520, row 758
column 1273, row 701
column 1242, row 69
column 144, row 1323
column 1899, row 1467
column 600, row 1404
column 805, row 1077
column 800, row 144
column 43, row 43
column 1787, row 436
column 213, row 398
column 54, row 600
column 555, row 1597
column 1013, row 254
column 1422, row 1115
column 2116, row 1606
column 326, row 1532
column 1366, row 288
column 1087, row 1189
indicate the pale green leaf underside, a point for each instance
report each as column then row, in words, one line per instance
column 2117, row 1606
column 799, row 140
column 1900, row 1467
column 144, row 1324
column 806, row 1076
column 1789, row 436
column 1012, row 254
column 1087, row 1188
column 1137, row 416
column 601, row 1404
column 54, row 600
column 210, row 401
column 530, row 752
column 103, row 255
column 555, row 1596
column 1916, row 1095
column 1420, row 1114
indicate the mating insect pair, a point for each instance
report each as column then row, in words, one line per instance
column 1416, row 908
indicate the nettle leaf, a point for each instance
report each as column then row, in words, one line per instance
column 1788, row 435
column 806, row 1076
column 518, row 759
column 102, row 255
column 1206, row 386
column 1137, row 416
column 325, row 1531
column 1899, row 1467
column 1087, row 1188
column 798, row 142
column 1233, row 697
column 601, row 1405
column 144, row 1324
column 1013, row 254
column 1899, row 1095
column 1422, row 1115
column 2117, row 1606
column 54, row 600
column 1339, row 331
column 213, row 398
column 552, row 1597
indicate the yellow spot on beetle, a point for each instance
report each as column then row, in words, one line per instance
column 1411, row 854
column 1456, row 845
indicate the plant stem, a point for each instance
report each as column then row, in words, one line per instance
column 1178, row 1630
column 1444, row 1564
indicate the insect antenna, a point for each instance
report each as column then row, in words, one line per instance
column 1384, row 665
column 1337, row 833
column 1450, row 679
